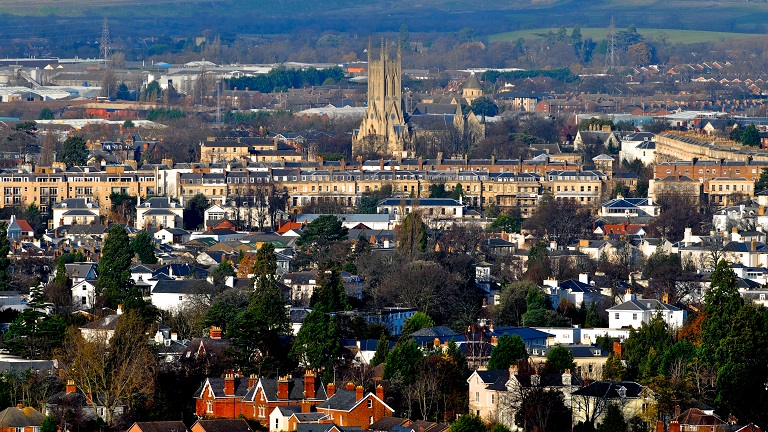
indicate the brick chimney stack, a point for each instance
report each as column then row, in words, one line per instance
column 674, row 426
column 215, row 332
column 618, row 349
column 229, row 384
column 359, row 392
column 282, row 388
column 305, row 406
column 253, row 380
column 380, row 392
column 331, row 389
column 309, row 384
column 71, row 387
column 350, row 386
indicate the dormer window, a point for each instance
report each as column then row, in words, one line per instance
column 622, row 391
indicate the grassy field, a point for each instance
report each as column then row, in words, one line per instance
column 597, row 34
column 688, row 21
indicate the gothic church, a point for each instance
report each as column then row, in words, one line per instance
column 383, row 129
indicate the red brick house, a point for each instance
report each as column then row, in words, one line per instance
column 254, row 397
column 351, row 406
column 20, row 419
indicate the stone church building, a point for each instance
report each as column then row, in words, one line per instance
column 388, row 130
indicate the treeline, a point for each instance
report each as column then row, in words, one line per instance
column 561, row 74
column 720, row 357
column 165, row 114
column 281, row 79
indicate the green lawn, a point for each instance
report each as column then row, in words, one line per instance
column 597, row 34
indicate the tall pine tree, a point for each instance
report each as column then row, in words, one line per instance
column 256, row 332
column 412, row 235
column 114, row 272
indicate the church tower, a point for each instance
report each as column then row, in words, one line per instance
column 472, row 88
column 383, row 129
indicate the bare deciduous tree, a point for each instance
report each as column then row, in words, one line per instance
column 112, row 370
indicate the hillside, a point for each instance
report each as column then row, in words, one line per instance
column 671, row 35
column 25, row 18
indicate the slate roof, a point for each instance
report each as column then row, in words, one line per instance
column 742, row 247
column 495, row 379
column 141, row 269
column 490, row 376
column 158, row 202
column 79, row 269
column 422, row 202
column 160, row 426
column 78, row 212
column 76, row 203
column 576, row 286
column 217, row 386
column 435, row 332
column 643, row 305
column 68, row 399
column 13, row 417
column 499, row 242
column 175, row 231
column 289, row 410
column 626, row 202
column 154, row 212
column 610, row 389
column 304, row 427
column 295, row 389
column 525, row 333
column 309, row 417
column 179, row 286
column 422, row 426
column 546, row 380
column 387, row 423
column 224, row 425
column 181, row 270
column 578, row 351
column 343, row 400
column 109, row 322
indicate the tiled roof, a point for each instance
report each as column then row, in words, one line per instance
column 224, row 425
column 160, row 426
